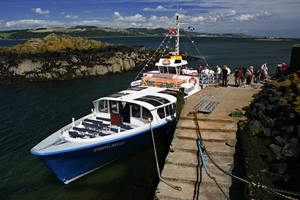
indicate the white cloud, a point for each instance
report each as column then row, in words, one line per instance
column 71, row 16
column 191, row 19
column 32, row 23
column 40, row 11
column 99, row 23
column 153, row 18
column 135, row 25
column 254, row 16
column 245, row 17
column 158, row 8
column 134, row 18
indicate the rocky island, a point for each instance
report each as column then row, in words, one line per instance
column 64, row 57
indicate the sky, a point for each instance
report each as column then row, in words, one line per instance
column 280, row 18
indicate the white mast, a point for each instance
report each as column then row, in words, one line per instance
column 177, row 36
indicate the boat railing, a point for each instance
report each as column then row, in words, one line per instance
column 163, row 82
column 209, row 79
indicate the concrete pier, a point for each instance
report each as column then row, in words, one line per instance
column 218, row 130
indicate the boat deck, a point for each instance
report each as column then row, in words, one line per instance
column 99, row 126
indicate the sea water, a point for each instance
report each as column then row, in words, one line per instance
column 32, row 111
column 234, row 52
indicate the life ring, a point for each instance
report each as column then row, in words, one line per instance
column 193, row 80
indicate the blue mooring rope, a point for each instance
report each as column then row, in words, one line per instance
column 206, row 169
column 202, row 158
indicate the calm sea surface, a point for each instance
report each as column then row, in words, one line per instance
column 30, row 112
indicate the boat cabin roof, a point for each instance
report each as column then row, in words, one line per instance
column 171, row 62
column 150, row 98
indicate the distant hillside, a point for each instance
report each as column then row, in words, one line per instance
column 92, row 31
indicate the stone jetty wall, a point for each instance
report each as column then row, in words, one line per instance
column 270, row 137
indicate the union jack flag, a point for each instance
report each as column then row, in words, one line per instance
column 172, row 31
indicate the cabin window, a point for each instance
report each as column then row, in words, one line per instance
column 172, row 70
column 114, row 107
column 173, row 108
column 169, row 110
column 135, row 111
column 103, row 106
column 146, row 114
column 161, row 112
column 162, row 69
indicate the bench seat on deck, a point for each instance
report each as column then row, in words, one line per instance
column 103, row 119
column 96, row 126
column 125, row 127
column 93, row 121
column 94, row 132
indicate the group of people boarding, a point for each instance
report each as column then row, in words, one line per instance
column 209, row 76
column 242, row 76
column 245, row 76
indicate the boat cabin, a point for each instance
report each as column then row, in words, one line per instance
column 135, row 110
column 172, row 65
column 125, row 111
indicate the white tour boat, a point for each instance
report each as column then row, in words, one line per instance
column 120, row 124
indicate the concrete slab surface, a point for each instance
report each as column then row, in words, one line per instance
column 218, row 131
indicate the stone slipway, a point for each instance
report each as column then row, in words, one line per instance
column 218, row 130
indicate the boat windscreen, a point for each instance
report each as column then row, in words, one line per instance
column 153, row 100
column 137, row 88
column 116, row 95
column 171, row 92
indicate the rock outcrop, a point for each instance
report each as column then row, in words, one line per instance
column 64, row 57
column 270, row 137
column 295, row 60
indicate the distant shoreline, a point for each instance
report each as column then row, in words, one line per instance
column 95, row 32
column 274, row 39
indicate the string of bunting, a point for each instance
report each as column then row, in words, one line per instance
column 195, row 46
column 167, row 37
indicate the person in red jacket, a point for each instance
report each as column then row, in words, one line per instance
column 284, row 66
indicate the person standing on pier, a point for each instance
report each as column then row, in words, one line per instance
column 219, row 71
column 241, row 78
column 279, row 70
column 224, row 76
column 264, row 71
column 236, row 77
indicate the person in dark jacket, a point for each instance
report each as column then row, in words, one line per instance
column 224, row 76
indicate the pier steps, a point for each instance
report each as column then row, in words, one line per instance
column 208, row 124
column 219, row 135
